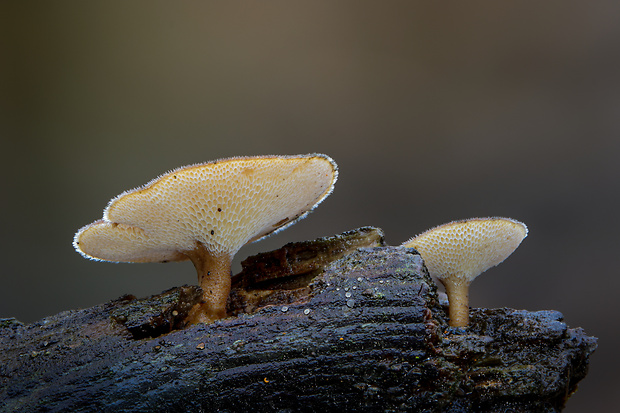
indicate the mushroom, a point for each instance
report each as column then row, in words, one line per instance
column 206, row 213
column 459, row 251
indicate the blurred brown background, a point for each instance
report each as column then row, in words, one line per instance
column 433, row 111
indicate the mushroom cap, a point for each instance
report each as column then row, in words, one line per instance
column 222, row 205
column 462, row 250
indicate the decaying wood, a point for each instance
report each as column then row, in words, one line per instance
column 284, row 275
column 365, row 333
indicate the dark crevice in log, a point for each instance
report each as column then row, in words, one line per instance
column 160, row 314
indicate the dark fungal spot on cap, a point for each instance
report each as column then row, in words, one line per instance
column 219, row 210
column 212, row 232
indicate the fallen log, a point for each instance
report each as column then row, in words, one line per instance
column 363, row 331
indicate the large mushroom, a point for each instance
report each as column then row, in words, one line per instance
column 459, row 251
column 206, row 213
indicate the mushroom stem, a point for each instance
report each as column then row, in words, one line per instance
column 214, row 279
column 458, row 299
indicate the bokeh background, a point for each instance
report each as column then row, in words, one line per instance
column 434, row 111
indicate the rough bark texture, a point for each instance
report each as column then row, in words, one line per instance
column 367, row 333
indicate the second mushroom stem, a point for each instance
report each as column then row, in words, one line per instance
column 458, row 298
column 214, row 279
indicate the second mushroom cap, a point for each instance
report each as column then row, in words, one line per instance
column 464, row 249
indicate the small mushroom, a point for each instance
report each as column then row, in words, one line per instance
column 459, row 251
column 206, row 213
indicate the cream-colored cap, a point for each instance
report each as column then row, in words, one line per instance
column 462, row 250
column 222, row 205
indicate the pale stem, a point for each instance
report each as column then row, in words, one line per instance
column 458, row 300
column 214, row 279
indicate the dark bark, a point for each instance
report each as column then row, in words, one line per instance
column 363, row 333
